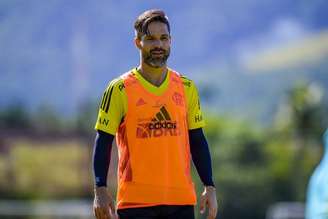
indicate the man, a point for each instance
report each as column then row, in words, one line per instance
column 155, row 114
column 317, row 193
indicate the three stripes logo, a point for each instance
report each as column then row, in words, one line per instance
column 105, row 101
column 160, row 125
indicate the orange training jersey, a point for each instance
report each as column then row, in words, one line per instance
column 153, row 143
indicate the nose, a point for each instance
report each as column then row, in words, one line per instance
column 158, row 43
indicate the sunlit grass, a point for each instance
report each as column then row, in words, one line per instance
column 44, row 169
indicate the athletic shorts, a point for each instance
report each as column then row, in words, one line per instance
column 158, row 212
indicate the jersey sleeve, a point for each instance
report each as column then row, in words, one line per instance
column 111, row 107
column 195, row 117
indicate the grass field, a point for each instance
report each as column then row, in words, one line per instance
column 41, row 169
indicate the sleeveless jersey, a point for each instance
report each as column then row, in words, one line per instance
column 153, row 143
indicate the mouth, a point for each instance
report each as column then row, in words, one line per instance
column 157, row 53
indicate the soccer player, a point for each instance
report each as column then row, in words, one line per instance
column 156, row 117
column 317, row 193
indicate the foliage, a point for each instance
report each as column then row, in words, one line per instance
column 14, row 116
column 253, row 166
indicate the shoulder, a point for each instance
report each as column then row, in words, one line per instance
column 116, row 85
column 186, row 81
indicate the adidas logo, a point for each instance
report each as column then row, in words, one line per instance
column 160, row 125
column 162, row 115
column 140, row 102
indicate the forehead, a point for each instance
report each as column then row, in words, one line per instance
column 157, row 28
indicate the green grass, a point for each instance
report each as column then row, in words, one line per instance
column 47, row 169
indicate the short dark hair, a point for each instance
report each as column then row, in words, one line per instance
column 144, row 19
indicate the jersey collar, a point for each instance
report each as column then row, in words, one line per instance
column 149, row 86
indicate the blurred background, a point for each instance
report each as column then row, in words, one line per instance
column 260, row 67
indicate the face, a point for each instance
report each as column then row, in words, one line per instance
column 155, row 45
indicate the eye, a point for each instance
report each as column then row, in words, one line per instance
column 164, row 38
column 149, row 38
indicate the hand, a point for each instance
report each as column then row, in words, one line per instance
column 103, row 205
column 208, row 199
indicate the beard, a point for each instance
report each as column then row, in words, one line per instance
column 156, row 61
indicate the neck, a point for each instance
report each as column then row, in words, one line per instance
column 155, row 76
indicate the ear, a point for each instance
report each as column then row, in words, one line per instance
column 137, row 42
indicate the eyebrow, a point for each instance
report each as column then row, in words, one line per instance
column 150, row 35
